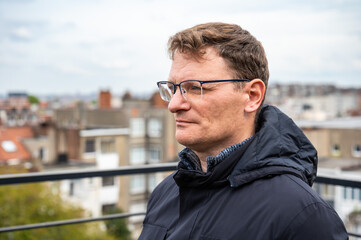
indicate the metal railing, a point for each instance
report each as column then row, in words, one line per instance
column 6, row 179
column 84, row 173
column 21, row 178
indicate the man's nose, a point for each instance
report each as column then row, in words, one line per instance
column 178, row 102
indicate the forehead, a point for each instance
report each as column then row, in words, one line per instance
column 211, row 67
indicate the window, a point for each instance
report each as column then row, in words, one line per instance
column 137, row 127
column 136, row 208
column 137, row 156
column 71, row 189
column 137, row 184
column 335, row 150
column 154, row 127
column 306, row 107
column 107, row 145
column 41, row 153
column 154, row 155
column 89, row 146
column 327, row 190
column 152, row 182
column 9, row 146
column 349, row 193
column 108, row 181
column 356, row 150
column 108, row 208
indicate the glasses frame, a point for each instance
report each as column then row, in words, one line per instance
column 201, row 83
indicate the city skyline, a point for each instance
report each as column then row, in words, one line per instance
column 81, row 47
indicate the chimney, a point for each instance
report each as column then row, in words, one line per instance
column 105, row 98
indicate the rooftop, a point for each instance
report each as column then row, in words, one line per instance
column 337, row 123
column 104, row 132
column 11, row 147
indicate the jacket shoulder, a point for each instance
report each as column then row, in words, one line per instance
column 310, row 216
column 164, row 199
column 166, row 187
column 288, row 209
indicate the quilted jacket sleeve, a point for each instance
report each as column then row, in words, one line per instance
column 317, row 221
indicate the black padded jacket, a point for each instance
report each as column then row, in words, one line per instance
column 262, row 191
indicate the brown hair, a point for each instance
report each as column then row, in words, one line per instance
column 243, row 53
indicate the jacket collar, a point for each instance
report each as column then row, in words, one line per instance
column 187, row 176
column 191, row 161
column 278, row 147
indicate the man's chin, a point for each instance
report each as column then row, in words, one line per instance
column 188, row 140
column 184, row 140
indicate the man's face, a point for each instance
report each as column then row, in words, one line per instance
column 218, row 119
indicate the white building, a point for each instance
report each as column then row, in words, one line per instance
column 96, row 194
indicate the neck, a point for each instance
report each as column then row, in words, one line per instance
column 203, row 159
column 205, row 150
column 202, row 155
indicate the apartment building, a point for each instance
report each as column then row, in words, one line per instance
column 16, row 110
column 102, row 149
column 315, row 102
column 337, row 139
column 139, row 132
column 338, row 142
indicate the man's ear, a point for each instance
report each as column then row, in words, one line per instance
column 255, row 90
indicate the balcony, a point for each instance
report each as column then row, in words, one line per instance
column 323, row 178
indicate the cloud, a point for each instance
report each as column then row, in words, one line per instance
column 113, row 63
column 357, row 63
column 122, row 44
column 74, row 70
column 21, row 34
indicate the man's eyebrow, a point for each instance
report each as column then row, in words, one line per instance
column 170, row 79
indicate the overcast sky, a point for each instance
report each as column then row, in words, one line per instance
column 82, row 46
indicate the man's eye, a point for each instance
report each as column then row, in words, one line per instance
column 195, row 87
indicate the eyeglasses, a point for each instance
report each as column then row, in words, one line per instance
column 190, row 89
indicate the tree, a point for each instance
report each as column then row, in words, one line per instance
column 117, row 227
column 35, row 203
column 33, row 100
column 353, row 220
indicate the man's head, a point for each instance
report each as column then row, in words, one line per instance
column 242, row 52
column 211, row 116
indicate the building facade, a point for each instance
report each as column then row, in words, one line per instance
column 338, row 142
column 140, row 132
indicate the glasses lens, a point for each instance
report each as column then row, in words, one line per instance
column 166, row 91
column 191, row 90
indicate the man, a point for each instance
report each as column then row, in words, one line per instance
column 246, row 170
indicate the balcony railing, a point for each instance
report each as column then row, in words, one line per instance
column 7, row 179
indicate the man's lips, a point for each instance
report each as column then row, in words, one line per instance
column 180, row 122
